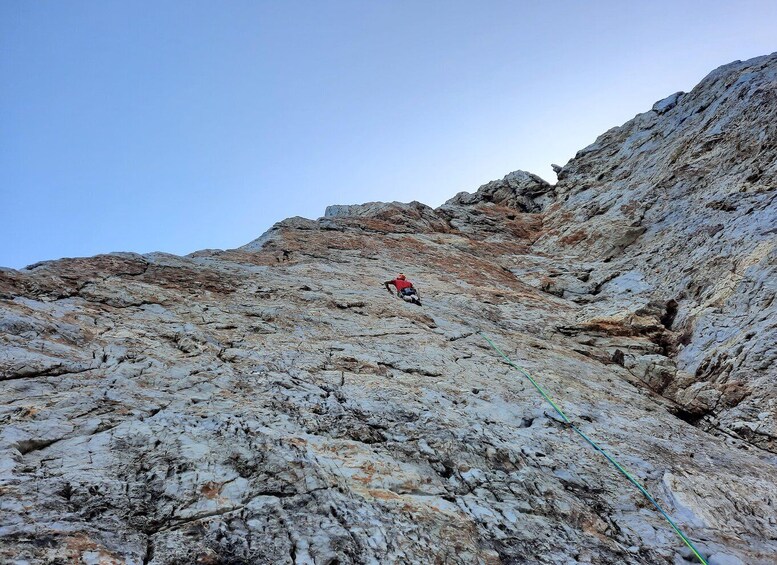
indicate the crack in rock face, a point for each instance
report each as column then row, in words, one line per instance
column 255, row 405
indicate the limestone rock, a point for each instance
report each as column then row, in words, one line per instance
column 520, row 190
column 273, row 404
column 681, row 200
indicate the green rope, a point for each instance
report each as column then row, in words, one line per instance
column 593, row 444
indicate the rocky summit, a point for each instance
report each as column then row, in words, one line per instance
column 274, row 404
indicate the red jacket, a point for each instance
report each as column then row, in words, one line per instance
column 400, row 284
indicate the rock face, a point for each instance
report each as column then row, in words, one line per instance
column 273, row 404
column 680, row 205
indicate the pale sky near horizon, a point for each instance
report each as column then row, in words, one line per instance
column 178, row 126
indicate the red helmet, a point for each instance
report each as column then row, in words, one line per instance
column 401, row 276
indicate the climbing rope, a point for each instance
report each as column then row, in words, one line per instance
column 593, row 444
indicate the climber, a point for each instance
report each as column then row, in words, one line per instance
column 405, row 289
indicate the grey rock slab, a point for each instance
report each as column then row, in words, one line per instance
column 274, row 404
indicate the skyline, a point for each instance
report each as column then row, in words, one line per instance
column 200, row 126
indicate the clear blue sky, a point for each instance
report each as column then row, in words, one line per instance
column 177, row 126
